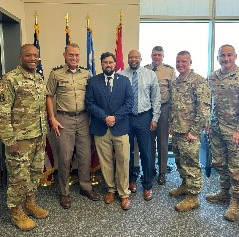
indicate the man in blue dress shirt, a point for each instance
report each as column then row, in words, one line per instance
column 143, row 119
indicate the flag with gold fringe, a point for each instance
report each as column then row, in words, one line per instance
column 119, row 50
column 47, row 176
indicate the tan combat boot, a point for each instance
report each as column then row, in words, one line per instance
column 222, row 196
column 189, row 203
column 181, row 190
column 33, row 209
column 232, row 213
column 21, row 220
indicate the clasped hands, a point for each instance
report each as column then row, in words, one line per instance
column 110, row 121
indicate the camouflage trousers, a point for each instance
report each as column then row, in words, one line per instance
column 225, row 157
column 25, row 170
column 187, row 161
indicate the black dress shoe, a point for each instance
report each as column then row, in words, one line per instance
column 91, row 194
column 161, row 179
column 65, row 201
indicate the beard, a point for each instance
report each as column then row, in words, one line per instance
column 108, row 73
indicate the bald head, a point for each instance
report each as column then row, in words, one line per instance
column 27, row 47
column 29, row 57
column 134, row 59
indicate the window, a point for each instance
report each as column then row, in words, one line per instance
column 225, row 33
column 175, row 37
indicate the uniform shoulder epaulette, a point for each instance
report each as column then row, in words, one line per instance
column 57, row 67
column 83, row 67
column 166, row 65
column 147, row 65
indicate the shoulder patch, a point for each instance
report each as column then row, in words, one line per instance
column 83, row 68
column 166, row 65
column 57, row 67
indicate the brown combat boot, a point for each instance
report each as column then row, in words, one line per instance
column 21, row 220
column 189, row 203
column 232, row 213
column 176, row 192
column 33, row 209
column 222, row 196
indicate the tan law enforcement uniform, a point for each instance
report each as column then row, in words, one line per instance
column 165, row 74
column 70, row 88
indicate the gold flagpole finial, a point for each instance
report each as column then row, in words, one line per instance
column 121, row 16
column 36, row 17
column 67, row 19
column 87, row 20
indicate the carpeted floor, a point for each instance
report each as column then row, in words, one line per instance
column 154, row 218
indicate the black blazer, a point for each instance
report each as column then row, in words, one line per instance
column 100, row 105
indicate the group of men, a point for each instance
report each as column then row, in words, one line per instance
column 143, row 102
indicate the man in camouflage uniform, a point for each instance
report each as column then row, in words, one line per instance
column 224, row 132
column 190, row 109
column 23, row 131
column 165, row 74
column 71, row 123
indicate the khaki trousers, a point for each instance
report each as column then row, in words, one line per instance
column 161, row 133
column 74, row 134
column 113, row 154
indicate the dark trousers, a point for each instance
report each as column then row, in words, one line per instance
column 161, row 133
column 140, row 127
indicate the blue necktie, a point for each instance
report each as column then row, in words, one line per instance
column 108, row 87
column 135, row 92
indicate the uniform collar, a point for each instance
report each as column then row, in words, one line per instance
column 229, row 74
column 186, row 77
column 67, row 69
column 26, row 74
column 158, row 67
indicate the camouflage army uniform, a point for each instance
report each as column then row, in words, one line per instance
column 224, row 122
column 23, row 122
column 190, row 109
column 165, row 74
column 70, row 89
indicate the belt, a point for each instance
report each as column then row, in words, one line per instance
column 139, row 114
column 71, row 114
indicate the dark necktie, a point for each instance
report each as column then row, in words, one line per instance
column 108, row 86
column 135, row 92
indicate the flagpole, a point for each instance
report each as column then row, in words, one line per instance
column 87, row 20
column 121, row 16
column 67, row 30
column 36, row 17
column 67, row 19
